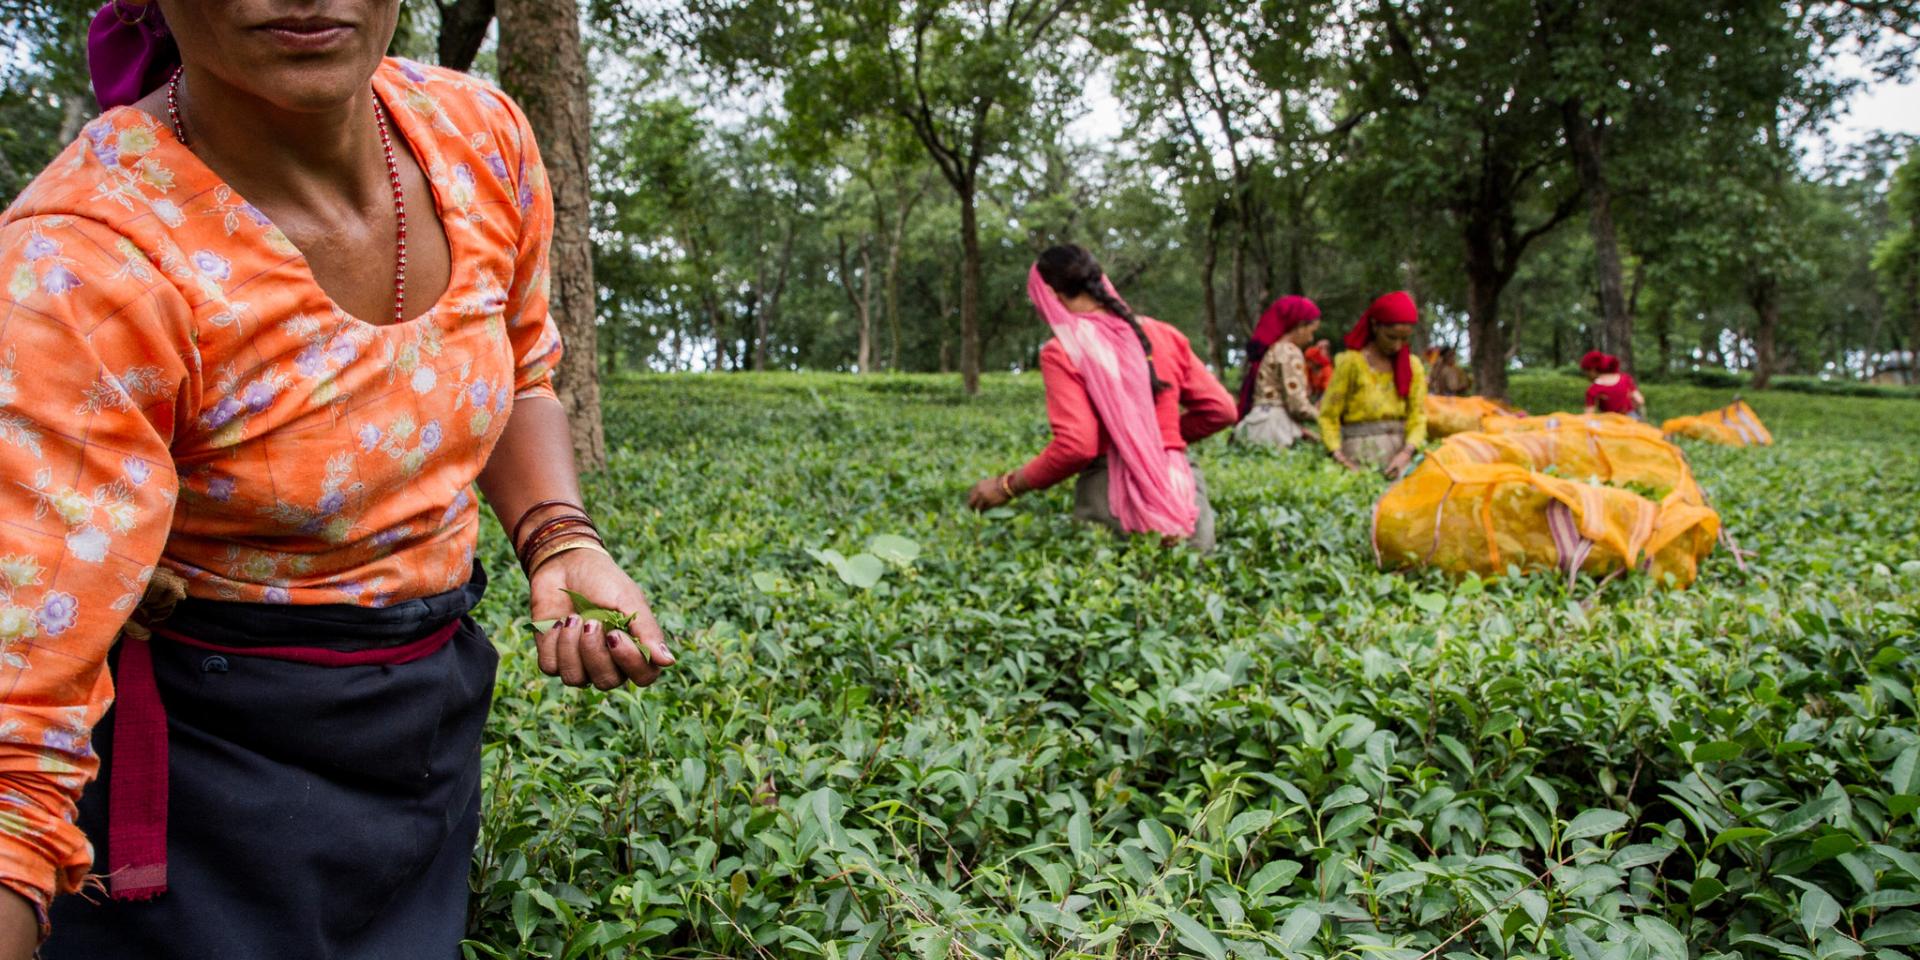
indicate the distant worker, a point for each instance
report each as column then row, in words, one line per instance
column 1319, row 369
column 1612, row 389
column 1374, row 414
column 1276, row 402
column 1117, row 384
column 1448, row 378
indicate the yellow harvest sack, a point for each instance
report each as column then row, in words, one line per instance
column 1447, row 416
column 1735, row 425
column 1578, row 496
column 1553, row 421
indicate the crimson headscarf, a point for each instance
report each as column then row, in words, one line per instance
column 1598, row 362
column 1282, row 317
column 1393, row 308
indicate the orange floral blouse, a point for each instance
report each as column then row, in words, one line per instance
column 176, row 390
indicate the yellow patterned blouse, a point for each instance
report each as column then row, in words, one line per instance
column 1360, row 394
column 176, row 390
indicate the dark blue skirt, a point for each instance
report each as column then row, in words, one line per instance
column 314, row 812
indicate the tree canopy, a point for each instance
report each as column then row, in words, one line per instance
column 861, row 185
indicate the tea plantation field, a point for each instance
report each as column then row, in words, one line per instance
column 1035, row 740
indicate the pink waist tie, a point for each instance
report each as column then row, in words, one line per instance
column 137, row 772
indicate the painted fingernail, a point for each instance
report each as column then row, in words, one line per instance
column 573, row 620
column 613, row 641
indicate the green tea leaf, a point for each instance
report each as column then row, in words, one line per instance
column 1197, row 937
column 1594, row 823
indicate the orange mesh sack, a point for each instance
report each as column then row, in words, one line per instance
column 1553, row 421
column 1447, row 416
column 1735, row 425
column 1579, row 497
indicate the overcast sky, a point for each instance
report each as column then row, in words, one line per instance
column 1892, row 107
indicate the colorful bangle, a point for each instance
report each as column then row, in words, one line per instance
column 555, row 534
column 550, row 551
column 521, row 525
column 1006, row 485
column 546, row 528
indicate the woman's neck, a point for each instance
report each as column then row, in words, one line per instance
column 1082, row 303
column 310, row 159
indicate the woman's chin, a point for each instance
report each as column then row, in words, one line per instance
column 310, row 85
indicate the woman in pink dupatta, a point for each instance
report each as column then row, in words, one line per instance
column 1125, row 397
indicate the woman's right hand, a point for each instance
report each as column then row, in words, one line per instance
column 1340, row 457
column 1398, row 465
column 988, row 494
column 19, row 927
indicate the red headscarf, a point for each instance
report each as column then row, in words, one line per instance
column 1282, row 317
column 1395, row 307
column 1598, row 362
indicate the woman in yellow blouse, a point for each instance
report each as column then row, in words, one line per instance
column 1374, row 411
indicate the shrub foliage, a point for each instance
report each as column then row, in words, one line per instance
column 1012, row 736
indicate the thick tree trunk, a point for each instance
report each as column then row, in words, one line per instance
column 1210, row 298
column 463, row 28
column 1487, row 337
column 969, row 290
column 1764, row 293
column 1586, row 139
column 542, row 66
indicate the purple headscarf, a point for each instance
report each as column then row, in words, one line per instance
column 129, row 56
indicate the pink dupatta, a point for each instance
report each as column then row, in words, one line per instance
column 1150, row 488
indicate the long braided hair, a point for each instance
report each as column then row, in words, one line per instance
column 1070, row 270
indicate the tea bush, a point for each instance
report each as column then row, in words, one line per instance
column 1032, row 739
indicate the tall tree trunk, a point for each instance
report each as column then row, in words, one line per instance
column 860, row 298
column 750, row 356
column 1663, row 338
column 896, row 246
column 1488, row 338
column 1765, row 296
column 1913, row 305
column 769, row 312
column 969, row 289
column 74, row 114
column 463, row 28
column 1586, row 137
column 1297, row 255
column 1209, row 297
column 543, row 67
column 1242, row 322
column 893, row 305
column 865, row 306
column 718, row 321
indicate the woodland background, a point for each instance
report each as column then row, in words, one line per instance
column 860, row 185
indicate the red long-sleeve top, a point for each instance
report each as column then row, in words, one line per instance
column 1615, row 398
column 1195, row 406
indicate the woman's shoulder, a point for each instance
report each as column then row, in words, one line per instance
column 459, row 105
column 111, row 172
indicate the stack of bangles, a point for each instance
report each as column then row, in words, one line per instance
column 1006, row 486
column 565, row 531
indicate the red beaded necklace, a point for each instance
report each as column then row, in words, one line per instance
column 393, row 176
